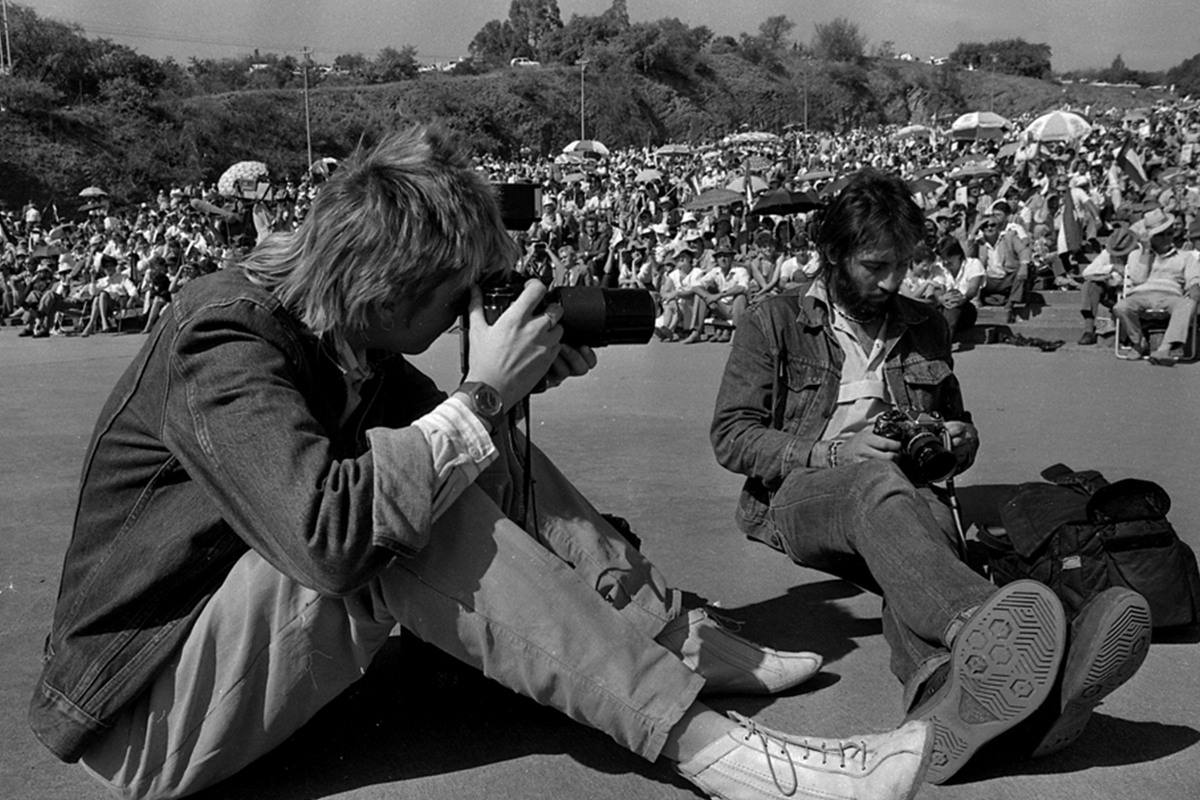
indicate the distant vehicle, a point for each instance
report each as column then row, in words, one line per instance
column 521, row 61
column 938, row 61
column 906, row 57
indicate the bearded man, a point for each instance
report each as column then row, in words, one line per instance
column 810, row 372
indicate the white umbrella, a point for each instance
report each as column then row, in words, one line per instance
column 738, row 184
column 979, row 125
column 587, row 147
column 93, row 191
column 1058, row 126
column 751, row 137
column 913, row 132
column 227, row 184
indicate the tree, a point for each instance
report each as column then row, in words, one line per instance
column 774, row 31
column 495, row 43
column 531, row 21
column 1010, row 56
column 886, row 49
column 839, row 40
column 395, row 65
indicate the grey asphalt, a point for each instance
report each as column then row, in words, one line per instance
column 633, row 435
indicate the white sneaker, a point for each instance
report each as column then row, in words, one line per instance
column 731, row 664
column 755, row 763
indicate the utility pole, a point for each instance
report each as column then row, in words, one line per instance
column 583, row 63
column 6, row 64
column 307, row 118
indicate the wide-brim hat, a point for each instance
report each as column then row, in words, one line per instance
column 64, row 267
column 1156, row 220
column 1121, row 242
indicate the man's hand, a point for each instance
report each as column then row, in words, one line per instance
column 570, row 362
column 867, row 444
column 520, row 348
column 952, row 299
column 964, row 441
column 1193, row 293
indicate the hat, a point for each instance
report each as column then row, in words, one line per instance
column 1156, row 221
column 1121, row 242
column 661, row 229
column 63, row 266
column 684, row 247
column 695, row 235
column 689, row 216
column 723, row 247
column 1000, row 205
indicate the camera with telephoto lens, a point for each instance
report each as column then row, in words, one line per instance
column 591, row 315
column 924, row 442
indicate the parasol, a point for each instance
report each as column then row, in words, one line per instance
column 647, row 175
column 979, row 125
column 815, row 175
column 923, row 186
column 830, row 189
column 785, row 201
column 750, row 137
column 93, row 191
column 242, row 171
column 913, row 132
column 738, row 184
column 587, row 147
column 711, row 198
column 1058, row 126
column 673, row 150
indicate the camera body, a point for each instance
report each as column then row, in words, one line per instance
column 592, row 315
column 924, row 442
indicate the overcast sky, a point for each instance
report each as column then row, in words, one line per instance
column 1149, row 34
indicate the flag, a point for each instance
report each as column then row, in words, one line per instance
column 1131, row 164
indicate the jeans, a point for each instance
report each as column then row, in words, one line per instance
column 867, row 523
column 566, row 616
column 961, row 318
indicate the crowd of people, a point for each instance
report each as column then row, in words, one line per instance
column 1005, row 215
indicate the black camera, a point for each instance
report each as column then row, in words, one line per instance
column 592, row 315
column 924, row 442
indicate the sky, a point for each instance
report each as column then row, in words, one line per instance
column 1148, row 34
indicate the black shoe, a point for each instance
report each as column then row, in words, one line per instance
column 1108, row 643
column 26, row 332
column 1003, row 666
column 43, row 334
column 1089, row 337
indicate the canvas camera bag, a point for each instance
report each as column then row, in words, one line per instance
column 1079, row 535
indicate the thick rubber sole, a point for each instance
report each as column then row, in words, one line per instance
column 1109, row 642
column 1004, row 664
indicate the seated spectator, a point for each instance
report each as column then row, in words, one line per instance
column 723, row 293
column 925, row 280
column 677, row 293
column 763, row 264
column 1160, row 277
column 36, row 291
column 1102, row 280
column 111, row 292
column 960, row 300
column 1004, row 249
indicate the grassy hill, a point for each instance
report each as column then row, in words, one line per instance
column 134, row 144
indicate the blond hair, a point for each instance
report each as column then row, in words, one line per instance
column 393, row 222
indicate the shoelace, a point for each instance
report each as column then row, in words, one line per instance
column 845, row 751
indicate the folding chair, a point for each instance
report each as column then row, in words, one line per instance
column 1154, row 325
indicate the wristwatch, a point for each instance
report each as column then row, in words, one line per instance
column 485, row 401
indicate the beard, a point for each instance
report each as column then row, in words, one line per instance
column 854, row 304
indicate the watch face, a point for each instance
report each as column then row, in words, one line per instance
column 487, row 401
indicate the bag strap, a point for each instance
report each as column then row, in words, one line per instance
column 1088, row 481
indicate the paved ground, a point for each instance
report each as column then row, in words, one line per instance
column 634, row 436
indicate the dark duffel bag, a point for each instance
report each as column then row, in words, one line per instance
column 1081, row 534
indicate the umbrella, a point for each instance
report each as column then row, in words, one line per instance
column 589, row 147
column 92, row 206
column 711, row 198
column 923, row 186
column 647, row 175
column 1008, row 149
column 574, row 177
column 928, row 171
column 831, row 189
column 673, row 150
column 971, row 171
column 750, row 137
column 970, row 158
column 59, row 233
column 1058, row 126
column 785, row 201
column 93, row 191
column 758, row 163
column 913, row 132
column 815, row 175
column 250, row 171
column 738, row 184
column 979, row 125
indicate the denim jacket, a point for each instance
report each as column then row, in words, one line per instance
column 781, row 387
column 222, row 435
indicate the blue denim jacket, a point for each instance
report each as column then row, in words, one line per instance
column 781, row 386
column 222, row 435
